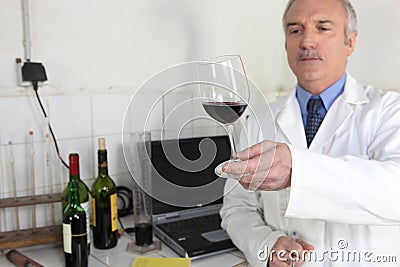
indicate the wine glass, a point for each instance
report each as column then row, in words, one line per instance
column 225, row 95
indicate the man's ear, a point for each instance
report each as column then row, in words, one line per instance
column 352, row 43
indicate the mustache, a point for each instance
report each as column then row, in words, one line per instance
column 307, row 54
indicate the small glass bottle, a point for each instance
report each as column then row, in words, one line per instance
column 74, row 230
column 104, row 204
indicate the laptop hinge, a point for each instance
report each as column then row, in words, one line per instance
column 162, row 218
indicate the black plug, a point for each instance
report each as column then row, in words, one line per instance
column 33, row 72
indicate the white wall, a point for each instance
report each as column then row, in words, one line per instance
column 101, row 44
column 98, row 52
column 376, row 59
column 95, row 45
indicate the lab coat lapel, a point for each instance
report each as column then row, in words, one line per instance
column 289, row 121
column 339, row 113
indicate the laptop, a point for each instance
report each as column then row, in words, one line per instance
column 187, row 198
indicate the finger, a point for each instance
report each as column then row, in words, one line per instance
column 305, row 245
column 259, row 176
column 245, row 185
column 294, row 257
column 285, row 250
column 241, row 167
column 235, row 167
column 251, row 187
column 260, row 186
column 256, row 164
column 299, row 262
column 256, row 181
column 267, row 180
column 294, row 249
column 256, row 150
column 276, row 178
column 279, row 262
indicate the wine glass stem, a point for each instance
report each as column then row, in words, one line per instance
column 232, row 142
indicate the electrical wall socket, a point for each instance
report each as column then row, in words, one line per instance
column 20, row 81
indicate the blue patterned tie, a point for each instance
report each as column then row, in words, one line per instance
column 314, row 119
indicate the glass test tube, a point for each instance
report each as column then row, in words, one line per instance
column 141, row 156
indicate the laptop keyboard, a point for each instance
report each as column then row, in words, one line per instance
column 188, row 226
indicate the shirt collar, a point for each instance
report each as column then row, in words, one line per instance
column 328, row 96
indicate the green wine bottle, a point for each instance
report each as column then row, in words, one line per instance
column 104, row 204
column 84, row 199
column 74, row 230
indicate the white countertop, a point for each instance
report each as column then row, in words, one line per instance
column 53, row 255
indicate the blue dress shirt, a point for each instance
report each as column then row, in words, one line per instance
column 328, row 97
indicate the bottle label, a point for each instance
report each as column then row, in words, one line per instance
column 67, row 236
column 93, row 212
column 86, row 207
column 114, row 212
column 103, row 164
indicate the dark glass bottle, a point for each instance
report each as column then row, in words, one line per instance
column 83, row 192
column 104, row 204
column 74, row 230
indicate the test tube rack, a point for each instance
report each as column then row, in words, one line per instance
column 30, row 236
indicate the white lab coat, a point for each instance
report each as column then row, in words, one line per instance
column 345, row 189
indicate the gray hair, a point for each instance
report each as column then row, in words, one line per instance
column 351, row 18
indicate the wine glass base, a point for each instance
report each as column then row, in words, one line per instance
column 218, row 171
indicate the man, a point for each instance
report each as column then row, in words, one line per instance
column 338, row 189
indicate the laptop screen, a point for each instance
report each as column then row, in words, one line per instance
column 187, row 167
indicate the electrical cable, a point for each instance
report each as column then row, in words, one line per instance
column 125, row 206
column 120, row 223
column 35, row 88
column 124, row 195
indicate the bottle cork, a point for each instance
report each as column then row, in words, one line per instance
column 102, row 143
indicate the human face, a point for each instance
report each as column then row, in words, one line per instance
column 315, row 42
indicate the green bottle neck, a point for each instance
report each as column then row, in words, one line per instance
column 73, row 194
column 74, row 178
column 102, row 163
column 103, row 171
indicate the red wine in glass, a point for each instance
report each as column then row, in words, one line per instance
column 225, row 112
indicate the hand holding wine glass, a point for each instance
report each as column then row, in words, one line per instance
column 225, row 96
